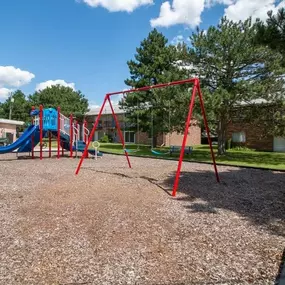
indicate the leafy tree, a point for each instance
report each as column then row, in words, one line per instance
column 154, row 63
column 2, row 114
column 272, row 33
column 20, row 107
column 232, row 70
column 70, row 101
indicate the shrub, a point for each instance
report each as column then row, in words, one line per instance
column 242, row 148
column 104, row 139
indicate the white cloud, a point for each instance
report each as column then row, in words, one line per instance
column 188, row 12
column 177, row 40
column 49, row 83
column 118, row 5
column 180, row 12
column 4, row 93
column 242, row 9
column 14, row 77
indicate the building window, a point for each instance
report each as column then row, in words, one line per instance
column 238, row 137
column 130, row 137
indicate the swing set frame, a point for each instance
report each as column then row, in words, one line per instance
column 196, row 89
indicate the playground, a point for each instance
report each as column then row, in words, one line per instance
column 69, row 217
column 117, row 225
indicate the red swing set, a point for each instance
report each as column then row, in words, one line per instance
column 196, row 89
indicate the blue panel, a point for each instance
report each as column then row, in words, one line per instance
column 20, row 141
column 50, row 119
column 35, row 112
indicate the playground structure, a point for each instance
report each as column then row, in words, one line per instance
column 52, row 123
column 196, row 89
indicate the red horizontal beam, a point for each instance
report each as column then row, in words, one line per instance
column 145, row 88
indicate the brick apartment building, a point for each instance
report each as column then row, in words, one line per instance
column 246, row 134
column 107, row 126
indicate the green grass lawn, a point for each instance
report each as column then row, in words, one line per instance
column 267, row 160
column 53, row 142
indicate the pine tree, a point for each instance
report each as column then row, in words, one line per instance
column 154, row 63
column 233, row 70
column 272, row 33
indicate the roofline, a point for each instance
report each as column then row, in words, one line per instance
column 107, row 113
column 12, row 122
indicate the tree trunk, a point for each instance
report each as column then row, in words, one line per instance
column 222, row 137
column 154, row 141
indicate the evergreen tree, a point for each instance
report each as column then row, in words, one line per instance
column 232, row 70
column 272, row 33
column 155, row 62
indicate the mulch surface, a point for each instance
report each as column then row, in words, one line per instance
column 115, row 225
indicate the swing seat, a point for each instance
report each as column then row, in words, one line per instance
column 159, row 153
column 131, row 150
column 175, row 148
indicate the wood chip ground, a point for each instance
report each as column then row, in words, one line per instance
column 115, row 225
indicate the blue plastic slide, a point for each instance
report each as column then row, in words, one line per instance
column 19, row 142
column 27, row 146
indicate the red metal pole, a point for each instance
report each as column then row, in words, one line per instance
column 208, row 131
column 84, row 135
column 49, row 144
column 85, row 127
column 91, row 136
column 186, row 132
column 78, row 135
column 145, row 88
column 33, row 139
column 71, row 134
column 41, row 132
column 62, row 144
column 62, row 149
column 58, row 132
column 119, row 132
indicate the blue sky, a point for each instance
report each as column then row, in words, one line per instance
column 87, row 45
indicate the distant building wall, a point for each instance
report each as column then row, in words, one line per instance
column 193, row 138
column 251, row 137
column 107, row 125
column 6, row 129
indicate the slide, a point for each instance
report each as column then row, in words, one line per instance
column 27, row 146
column 21, row 141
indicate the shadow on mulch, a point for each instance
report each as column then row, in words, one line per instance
column 29, row 157
column 257, row 195
column 149, row 179
column 280, row 279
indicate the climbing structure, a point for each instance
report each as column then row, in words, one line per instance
column 51, row 123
